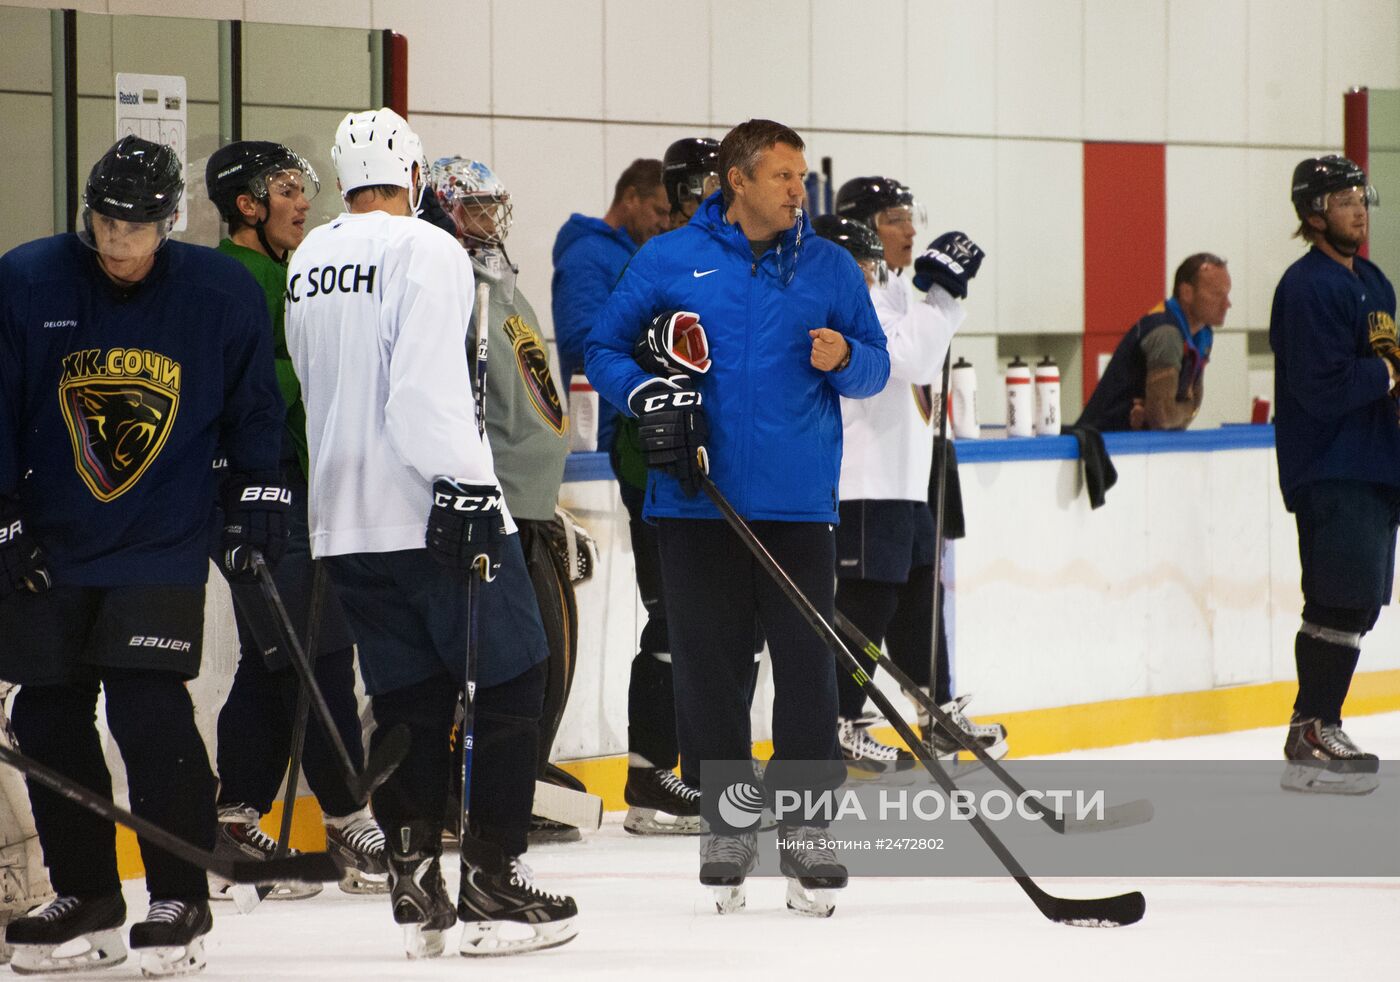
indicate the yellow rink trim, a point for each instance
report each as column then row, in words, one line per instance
column 1034, row 733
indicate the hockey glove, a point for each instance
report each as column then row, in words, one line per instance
column 674, row 343
column 22, row 565
column 950, row 261
column 673, row 429
column 1383, row 343
column 255, row 520
column 466, row 526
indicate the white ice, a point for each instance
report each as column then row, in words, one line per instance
column 643, row 916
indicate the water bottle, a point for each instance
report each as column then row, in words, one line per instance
column 1047, row 397
column 583, row 416
column 963, row 409
column 1020, row 408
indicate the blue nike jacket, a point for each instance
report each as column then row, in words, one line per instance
column 775, row 421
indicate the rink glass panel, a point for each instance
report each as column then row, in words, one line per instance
column 26, row 106
column 1384, row 172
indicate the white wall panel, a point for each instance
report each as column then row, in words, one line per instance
column 1208, row 211
column 1271, row 246
column 204, row 9
column 872, row 96
column 449, row 58
column 1363, row 48
column 951, row 52
column 656, row 63
column 450, row 136
column 1207, row 70
column 547, row 58
column 957, row 181
column 761, row 62
column 1039, row 237
column 855, row 155
column 1125, row 70
column 543, row 196
column 624, row 144
column 1227, row 382
column 1286, row 72
column 1040, row 68
column 314, row 13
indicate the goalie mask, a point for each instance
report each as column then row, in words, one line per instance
column 475, row 199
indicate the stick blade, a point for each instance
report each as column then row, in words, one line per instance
column 306, row 867
column 1119, row 911
column 1126, row 815
column 580, row 809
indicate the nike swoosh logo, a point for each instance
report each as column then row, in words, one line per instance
column 697, row 274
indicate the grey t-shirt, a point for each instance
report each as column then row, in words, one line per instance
column 1162, row 348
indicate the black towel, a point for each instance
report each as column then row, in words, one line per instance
column 1099, row 472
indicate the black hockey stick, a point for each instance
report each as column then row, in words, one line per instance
column 1126, row 908
column 303, row 712
column 940, row 463
column 391, row 748
column 307, row 867
column 1129, row 813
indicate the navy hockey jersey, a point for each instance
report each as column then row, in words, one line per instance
column 113, row 403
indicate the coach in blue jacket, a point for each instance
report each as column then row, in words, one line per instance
column 791, row 329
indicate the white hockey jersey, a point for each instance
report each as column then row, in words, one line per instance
column 378, row 327
column 887, row 450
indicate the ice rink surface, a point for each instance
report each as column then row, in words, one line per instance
column 644, row 916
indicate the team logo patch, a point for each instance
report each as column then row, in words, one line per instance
column 119, row 406
column 923, row 400
column 1382, row 326
column 533, row 364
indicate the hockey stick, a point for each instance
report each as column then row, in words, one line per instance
column 1129, row 813
column 303, row 712
column 307, row 867
column 1126, row 908
column 391, row 749
column 566, row 806
column 940, row 462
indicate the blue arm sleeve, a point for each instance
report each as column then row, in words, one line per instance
column 581, row 286
column 611, row 366
column 11, row 390
column 1325, row 373
column 855, row 318
column 250, row 432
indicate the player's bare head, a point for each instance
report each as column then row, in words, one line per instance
column 762, row 175
column 1202, row 287
column 376, row 155
column 639, row 201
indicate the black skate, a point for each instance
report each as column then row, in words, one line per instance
column 170, row 938
column 725, row 861
column 240, row 837
column 653, row 791
column 864, row 755
column 416, row 890
column 1323, row 760
column 942, row 744
column 357, row 845
column 93, row 922
column 499, row 892
column 808, row 862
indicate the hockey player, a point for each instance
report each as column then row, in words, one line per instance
column 792, row 327
column 128, row 361
column 690, row 173
column 528, row 432
column 885, row 542
column 1336, row 376
column 263, row 192
column 404, row 505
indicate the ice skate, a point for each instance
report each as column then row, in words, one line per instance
column 416, row 889
column 660, row 803
column 357, row 843
column 240, row 837
column 725, row 861
column 812, row 870
column 170, row 939
column 864, row 755
column 942, row 744
column 69, row 935
column 503, row 912
column 1323, row 760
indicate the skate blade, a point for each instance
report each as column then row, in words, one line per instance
column 729, row 900
column 488, row 939
column 99, row 949
column 357, row 882
column 421, row 942
column 171, row 960
column 650, row 821
column 809, row 903
column 246, row 896
column 1311, row 778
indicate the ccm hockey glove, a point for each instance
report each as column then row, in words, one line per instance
column 673, row 430
column 674, row 343
column 255, row 519
column 950, row 261
column 22, row 565
column 466, row 525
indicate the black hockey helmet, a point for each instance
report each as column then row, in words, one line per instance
column 244, row 167
column 686, row 166
column 135, row 181
column 857, row 238
column 1317, row 177
column 862, row 198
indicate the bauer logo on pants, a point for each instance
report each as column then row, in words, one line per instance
column 119, row 406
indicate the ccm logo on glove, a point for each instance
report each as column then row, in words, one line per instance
column 466, row 502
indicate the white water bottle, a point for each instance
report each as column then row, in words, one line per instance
column 583, row 416
column 1020, row 400
column 963, row 410
column 1047, row 397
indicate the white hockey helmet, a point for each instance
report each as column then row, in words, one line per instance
column 378, row 147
